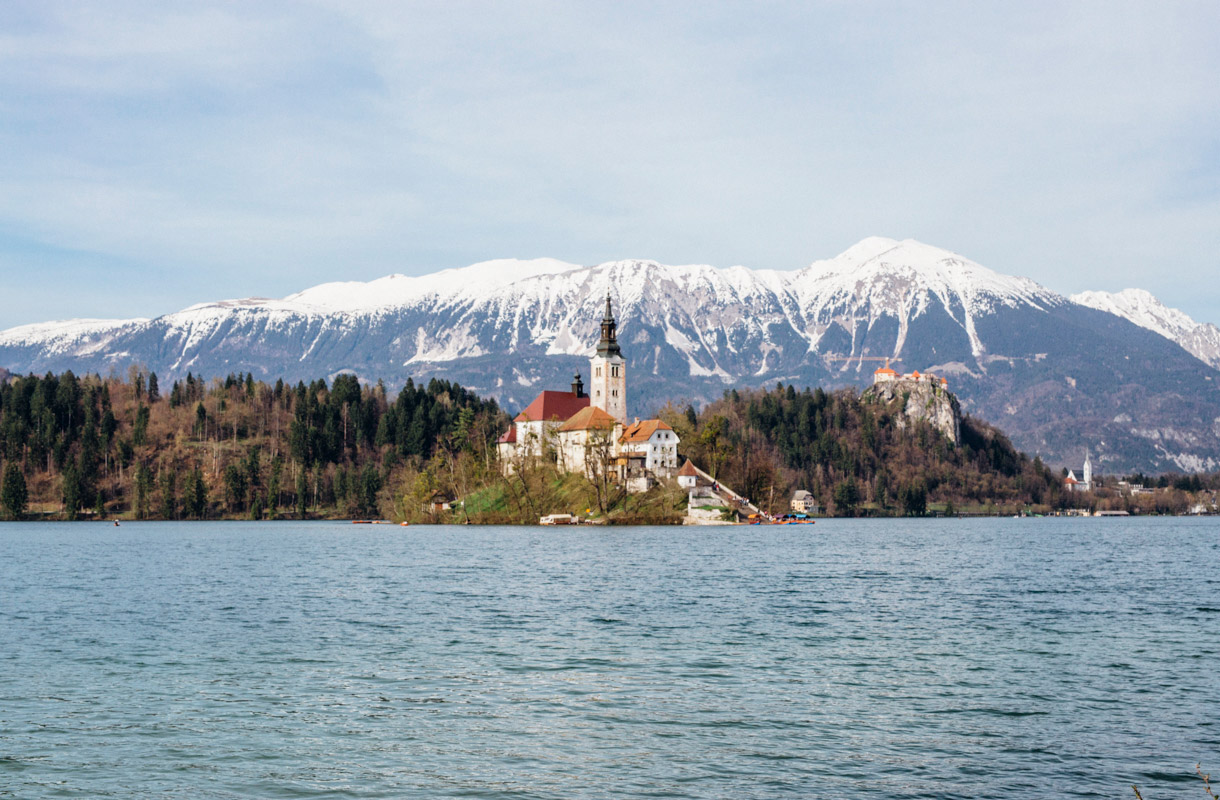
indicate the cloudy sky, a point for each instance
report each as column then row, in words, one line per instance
column 156, row 154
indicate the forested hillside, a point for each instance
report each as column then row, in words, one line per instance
column 101, row 447
column 852, row 453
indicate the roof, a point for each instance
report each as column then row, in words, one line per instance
column 688, row 470
column 884, row 371
column 549, row 405
column 509, row 436
column 642, row 430
column 588, row 418
column 801, row 494
column 915, row 374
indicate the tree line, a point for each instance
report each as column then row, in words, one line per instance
column 856, row 456
column 97, row 447
column 92, row 447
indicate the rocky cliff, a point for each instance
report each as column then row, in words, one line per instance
column 920, row 400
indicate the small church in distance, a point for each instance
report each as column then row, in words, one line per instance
column 589, row 432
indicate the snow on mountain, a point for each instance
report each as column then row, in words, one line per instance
column 73, row 335
column 880, row 276
column 1058, row 376
column 480, row 279
column 1200, row 339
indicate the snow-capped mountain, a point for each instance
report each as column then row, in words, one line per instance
column 1060, row 376
column 1201, row 339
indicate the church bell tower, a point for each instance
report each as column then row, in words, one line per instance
column 608, row 371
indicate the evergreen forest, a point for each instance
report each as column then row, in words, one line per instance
column 858, row 457
column 93, row 447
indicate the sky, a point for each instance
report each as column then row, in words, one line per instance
column 158, row 154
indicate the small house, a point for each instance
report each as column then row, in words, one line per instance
column 803, row 502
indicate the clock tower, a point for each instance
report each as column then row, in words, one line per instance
column 608, row 371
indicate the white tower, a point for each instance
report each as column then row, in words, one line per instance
column 1088, row 470
column 608, row 372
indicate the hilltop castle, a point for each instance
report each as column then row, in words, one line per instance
column 589, row 433
column 886, row 375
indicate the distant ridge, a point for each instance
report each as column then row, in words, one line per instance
column 1132, row 381
column 1201, row 340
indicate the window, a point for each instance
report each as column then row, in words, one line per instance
column 614, row 371
column 598, row 371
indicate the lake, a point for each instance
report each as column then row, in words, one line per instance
column 1028, row 658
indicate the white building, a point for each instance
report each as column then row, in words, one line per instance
column 887, row 375
column 655, row 441
column 1085, row 482
column 573, row 427
column 608, row 371
column 588, row 442
column 803, row 502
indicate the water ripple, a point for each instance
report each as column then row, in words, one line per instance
column 901, row 658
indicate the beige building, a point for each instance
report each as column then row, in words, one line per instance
column 586, row 433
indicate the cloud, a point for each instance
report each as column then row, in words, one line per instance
column 273, row 146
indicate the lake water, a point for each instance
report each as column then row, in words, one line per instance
column 904, row 658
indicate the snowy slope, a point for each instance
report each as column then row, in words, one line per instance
column 1057, row 375
column 1199, row 339
column 477, row 280
column 69, row 336
column 879, row 277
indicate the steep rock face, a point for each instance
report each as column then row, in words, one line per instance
column 921, row 400
column 1057, row 376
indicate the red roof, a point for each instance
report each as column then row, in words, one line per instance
column 884, row 371
column 587, row 418
column 688, row 470
column 509, row 436
column 642, row 430
column 550, row 405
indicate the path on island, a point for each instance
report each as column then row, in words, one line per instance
column 728, row 495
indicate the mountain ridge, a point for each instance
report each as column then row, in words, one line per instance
column 1016, row 351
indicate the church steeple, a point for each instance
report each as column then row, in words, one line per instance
column 608, row 371
column 608, row 346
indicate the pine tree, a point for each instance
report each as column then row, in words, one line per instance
column 273, row 484
column 72, row 491
column 370, row 485
column 235, row 488
column 154, row 393
column 302, row 499
column 139, row 429
column 169, row 493
column 196, row 494
column 143, row 487
column 13, row 493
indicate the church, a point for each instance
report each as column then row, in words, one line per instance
column 588, row 432
column 1085, row 482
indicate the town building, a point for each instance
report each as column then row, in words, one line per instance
column 803, row 502
column 1085, row 482
column 588, row 432
column 887, row 374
